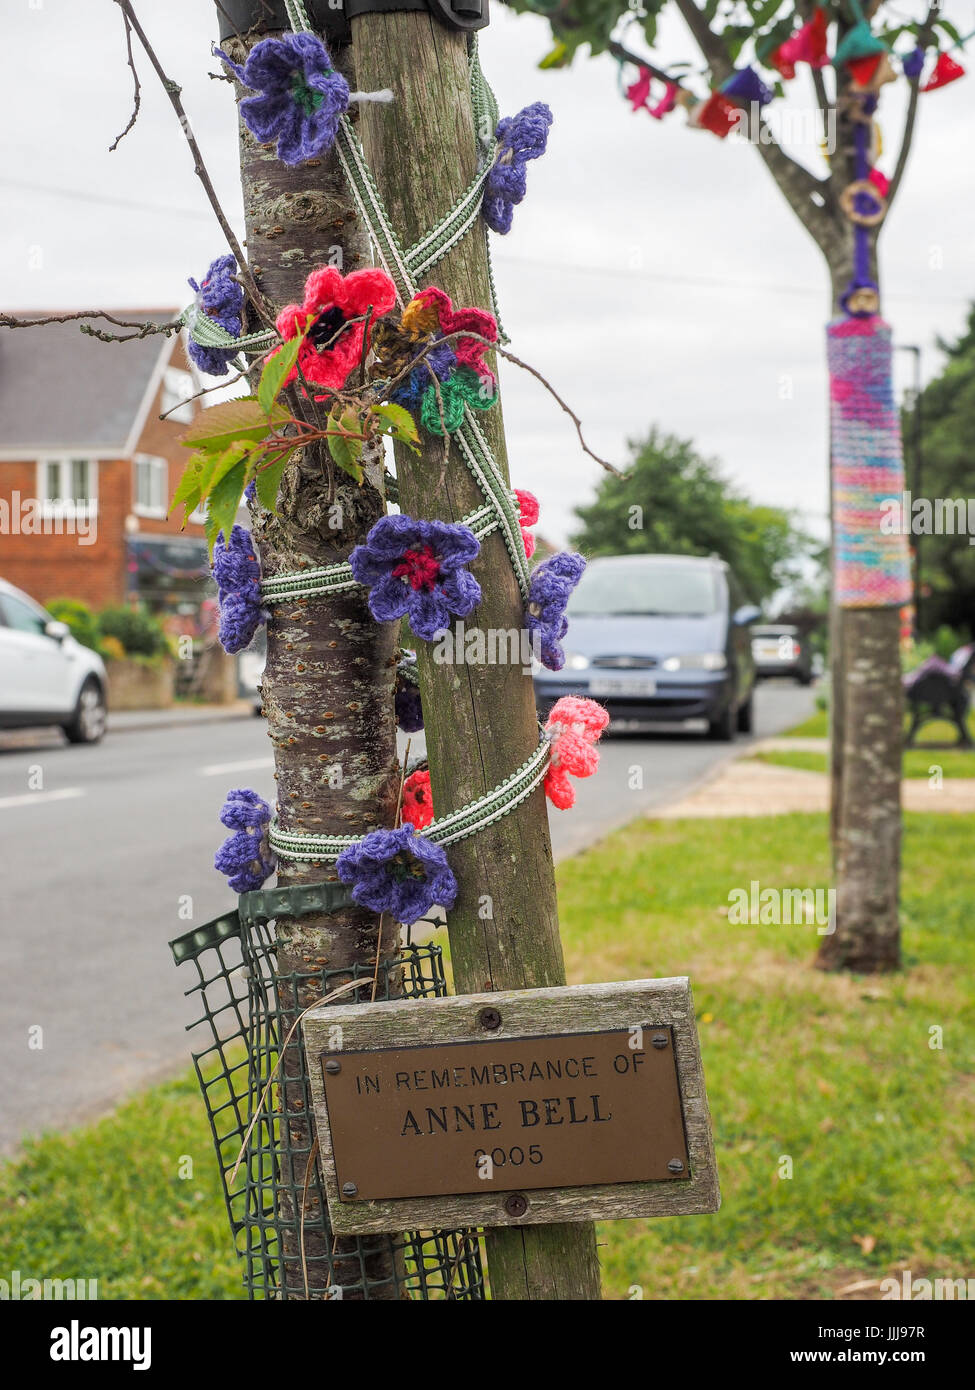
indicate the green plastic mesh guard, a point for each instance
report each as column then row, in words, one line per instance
column 276, row 1203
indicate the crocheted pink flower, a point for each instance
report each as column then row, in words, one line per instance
column 330, row 350
column 574, row 727
column 528, row 515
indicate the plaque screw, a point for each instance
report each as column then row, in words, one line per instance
column 349, row 1189
column 333, row 1066
column 659, row 1039
column 490, row 1019
column 517, row 1204
column 675, row 1165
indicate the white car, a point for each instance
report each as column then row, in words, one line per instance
column 46, row 677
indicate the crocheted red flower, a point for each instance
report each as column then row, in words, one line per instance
column 574, row 727
column 528, row 515
column 330, row 351
column 417, row 807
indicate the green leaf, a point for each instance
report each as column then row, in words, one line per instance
column 223, row 502
column 217, row 466
column 346, row 453
column 275, row 370
column 763, row 12
column 558, row 58
column 244, row 418
column 268, row 480
column 189, row 488
column 401, row 423
column 949, row 29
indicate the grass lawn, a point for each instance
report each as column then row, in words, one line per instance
column 816, row 726
column 939, row 731
column 834, row 1072
column 917, row 762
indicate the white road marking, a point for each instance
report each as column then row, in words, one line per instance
column 248, row 765
column 32, row 798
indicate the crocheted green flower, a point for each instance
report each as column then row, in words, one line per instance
column 465, row 387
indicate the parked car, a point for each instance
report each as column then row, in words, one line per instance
column 781, row 650
column 46, row 677
column 250, row 669
column 659, row 637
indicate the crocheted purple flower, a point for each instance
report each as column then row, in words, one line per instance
column 238, row 577
column 398, row 871
column 302, row 96
column 418, row 569
column 520, row 138
column 549, row 591
column 245, row 857
column 221, row 299
column 913, row 63
column 441, row 360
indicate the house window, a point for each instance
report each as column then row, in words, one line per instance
column 177, row 387
column 68, row 486
column 151, row 478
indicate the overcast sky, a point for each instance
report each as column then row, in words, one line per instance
column 653, row 273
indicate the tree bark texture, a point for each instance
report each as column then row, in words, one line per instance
column 328, row 684
column 480, row 720
column 868, row 814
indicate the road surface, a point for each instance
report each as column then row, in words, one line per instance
column 107, row 855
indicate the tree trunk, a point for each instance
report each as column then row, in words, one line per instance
column 867, row 815
column 480, row 719
column 328, row 683
column 866, row 721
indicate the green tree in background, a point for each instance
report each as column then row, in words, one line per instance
column 676, row 502
column 948, row 430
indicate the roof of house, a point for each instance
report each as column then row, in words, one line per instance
column 60, row 389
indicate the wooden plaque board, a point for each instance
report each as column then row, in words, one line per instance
column 428, row 1116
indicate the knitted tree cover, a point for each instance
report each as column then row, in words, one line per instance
column 872, row 568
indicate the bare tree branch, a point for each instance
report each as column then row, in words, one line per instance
column 796, row 182
column 910, row 119
column 137, row 86
column 822, row 96
column 619, row 51
column 172, row 90
column 146, row 329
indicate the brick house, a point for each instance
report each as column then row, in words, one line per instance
column 87, row 469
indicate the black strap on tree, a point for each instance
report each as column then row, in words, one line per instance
column 331, row 17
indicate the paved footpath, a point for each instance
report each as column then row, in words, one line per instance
column 746, row 787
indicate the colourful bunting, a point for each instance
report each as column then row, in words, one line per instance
column 945, row 70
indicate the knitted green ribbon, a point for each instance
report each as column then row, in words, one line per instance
column 446, row 830
column 500, row 510
column 203, row 330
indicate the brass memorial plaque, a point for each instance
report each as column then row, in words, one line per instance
column 506, row 1114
